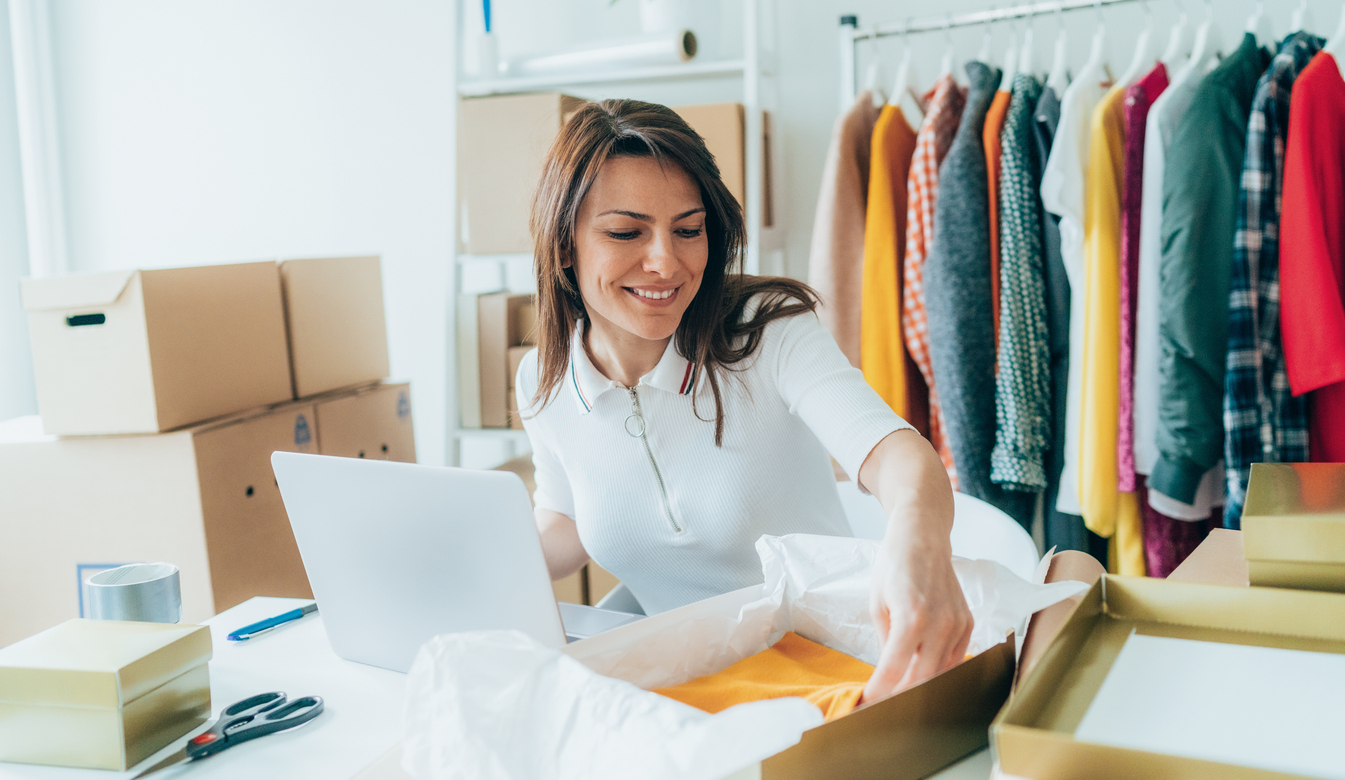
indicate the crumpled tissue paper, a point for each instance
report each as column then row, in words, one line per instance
column 498, row 705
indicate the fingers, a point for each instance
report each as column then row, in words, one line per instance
column 942, row 647
column 898, row 650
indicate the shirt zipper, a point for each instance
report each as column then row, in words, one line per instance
column 638, row 417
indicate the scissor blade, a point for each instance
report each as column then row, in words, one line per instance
column 173, row 760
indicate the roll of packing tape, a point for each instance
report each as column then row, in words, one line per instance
column 147, row 592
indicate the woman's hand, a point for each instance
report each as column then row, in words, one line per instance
column 923, row 620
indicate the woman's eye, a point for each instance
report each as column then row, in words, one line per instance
column 690, row 232
column 626, row 235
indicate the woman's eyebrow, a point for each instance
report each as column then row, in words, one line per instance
column 647, row 218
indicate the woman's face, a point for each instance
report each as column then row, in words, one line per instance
column 641, row 247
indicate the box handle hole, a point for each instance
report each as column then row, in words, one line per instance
column 80, row 320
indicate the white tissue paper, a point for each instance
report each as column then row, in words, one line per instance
column 497, row 704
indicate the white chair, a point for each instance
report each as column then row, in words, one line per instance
column 979, row 529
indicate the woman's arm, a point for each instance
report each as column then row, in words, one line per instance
column 564, row 553
column 922, row 616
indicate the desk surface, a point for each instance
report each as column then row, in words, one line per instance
column 361, row 722
column 362, row 718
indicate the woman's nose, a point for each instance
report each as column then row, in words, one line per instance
column 662, row 258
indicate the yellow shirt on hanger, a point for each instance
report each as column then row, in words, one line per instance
column 1106, row 511
column 882, row 353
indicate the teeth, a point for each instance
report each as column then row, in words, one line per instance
column 653, row 295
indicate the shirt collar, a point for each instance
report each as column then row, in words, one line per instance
column 673, row 374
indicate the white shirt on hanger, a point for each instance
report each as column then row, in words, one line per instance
column 1062, row 194
column 1161, row 125
column 673, row 516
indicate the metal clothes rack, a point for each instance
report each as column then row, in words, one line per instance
column 851, row 33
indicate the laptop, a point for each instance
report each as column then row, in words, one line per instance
column 398, row 553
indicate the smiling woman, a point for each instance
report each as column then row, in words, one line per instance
column 682, row 245
column 644, row 312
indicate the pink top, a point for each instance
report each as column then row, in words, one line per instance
column 1139, row 97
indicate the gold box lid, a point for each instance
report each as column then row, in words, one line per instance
column 99, row 663
column 1295, row 512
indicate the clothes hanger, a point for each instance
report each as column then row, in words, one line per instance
column 1258, row 24
column 1010, row 63
column 1335, row 45
column 875, row 72
column 1143, row 59
column 1025, row 53
column 1302, row 20
column 1178, row 49
column 1097, row 55
column 903, row 92
column 1058, row 77
column 946, row 66
column 984, row 54
column 1206, row 49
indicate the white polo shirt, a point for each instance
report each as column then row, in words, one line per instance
column 658, row 504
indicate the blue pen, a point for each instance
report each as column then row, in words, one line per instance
column 249, row 631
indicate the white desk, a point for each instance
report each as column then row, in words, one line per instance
column 362, row 719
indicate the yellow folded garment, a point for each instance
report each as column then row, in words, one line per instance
column 793, row 667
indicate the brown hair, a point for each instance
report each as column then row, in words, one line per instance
column 712, row 334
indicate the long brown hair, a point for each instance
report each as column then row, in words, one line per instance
column 713, row 334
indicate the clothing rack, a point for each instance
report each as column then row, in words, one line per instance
column 851, row 33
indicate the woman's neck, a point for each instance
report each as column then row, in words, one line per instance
column 620, row 355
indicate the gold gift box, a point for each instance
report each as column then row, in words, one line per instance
column 102, row 694
column 1034, row 734
column 1293, row 525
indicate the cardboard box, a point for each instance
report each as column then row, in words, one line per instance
column 908, row 736
column 525, row 324
column 515, row 357
column 102, row 694
column 1033, row 735
column 368, row 422
column 1293, row 525
column 498, row 323
column 334, row 318
column 502, row 144
column 149, row 351
column 723, row 127
column 203, row 498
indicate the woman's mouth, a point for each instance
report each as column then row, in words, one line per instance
column 654, row 296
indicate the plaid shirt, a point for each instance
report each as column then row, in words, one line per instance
column 944, row 105
column 1263, row 421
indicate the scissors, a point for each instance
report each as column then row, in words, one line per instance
column 255, row 716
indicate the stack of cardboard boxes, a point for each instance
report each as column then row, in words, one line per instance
column 495, row 331
column 162, row 395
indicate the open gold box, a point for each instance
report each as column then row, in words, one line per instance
column 1033, row 736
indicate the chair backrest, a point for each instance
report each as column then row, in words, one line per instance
column 979, row 529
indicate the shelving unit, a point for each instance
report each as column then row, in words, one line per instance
column 754, row 71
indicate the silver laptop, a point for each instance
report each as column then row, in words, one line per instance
column 398, row 553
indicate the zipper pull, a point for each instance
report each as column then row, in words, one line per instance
column 634, row 424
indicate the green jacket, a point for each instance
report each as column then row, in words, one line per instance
column 1200, row 201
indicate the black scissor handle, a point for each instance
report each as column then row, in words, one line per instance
column 254, row 717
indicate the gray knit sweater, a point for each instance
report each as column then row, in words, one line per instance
column 957, row 303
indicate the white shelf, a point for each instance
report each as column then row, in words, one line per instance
column 492, row 433
column 505, row 86
column 525, row 257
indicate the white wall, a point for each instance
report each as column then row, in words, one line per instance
column 16, row 366
column 212, row 131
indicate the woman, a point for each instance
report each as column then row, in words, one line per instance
column 678, row 409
